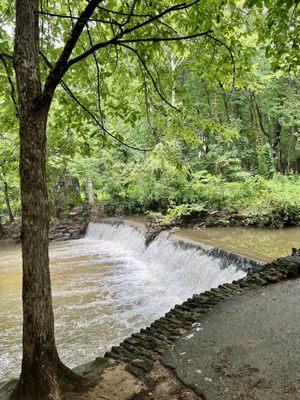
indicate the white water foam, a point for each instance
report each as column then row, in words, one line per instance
column 105, row 287
column 184, row 270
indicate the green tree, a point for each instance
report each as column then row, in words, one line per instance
column 72, row 39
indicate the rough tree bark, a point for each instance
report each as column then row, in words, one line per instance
column 9, row 211
column 42, row 371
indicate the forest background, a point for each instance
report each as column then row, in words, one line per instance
column 211, row 124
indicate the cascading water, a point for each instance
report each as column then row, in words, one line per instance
column 172, row 253
column 107, row 286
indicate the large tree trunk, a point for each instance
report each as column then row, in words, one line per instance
column 41, row 367
column 9, row 212
column 40, row 359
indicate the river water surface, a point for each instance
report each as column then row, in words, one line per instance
column 258, row 243
column 105, row 287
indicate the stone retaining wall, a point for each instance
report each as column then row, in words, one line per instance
column 141, row 350
column 59, row 231
column 67, row 229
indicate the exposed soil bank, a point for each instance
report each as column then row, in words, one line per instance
column 204, row 218
column 117, row 383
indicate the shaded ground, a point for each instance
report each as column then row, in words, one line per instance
column 116, row 383
column 247, row 348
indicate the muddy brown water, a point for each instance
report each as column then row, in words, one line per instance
column 104, row 290
column 258, row 243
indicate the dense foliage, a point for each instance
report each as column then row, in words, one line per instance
column 227, row 139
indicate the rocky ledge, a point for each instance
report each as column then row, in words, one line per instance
column 67, row 229
column 59, row 231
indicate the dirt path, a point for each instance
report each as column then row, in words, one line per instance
column 116, row 383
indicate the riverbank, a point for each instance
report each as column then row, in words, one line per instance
column 59, row 231
column 208, row 200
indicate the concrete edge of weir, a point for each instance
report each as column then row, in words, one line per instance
column 242, row 261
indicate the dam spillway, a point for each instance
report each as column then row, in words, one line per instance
column 109, row 285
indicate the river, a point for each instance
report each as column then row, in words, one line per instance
column 107, row 286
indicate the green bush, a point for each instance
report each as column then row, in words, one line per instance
column 184, row 212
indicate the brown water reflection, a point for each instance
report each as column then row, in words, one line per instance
column 261, row 244
column 100, row 296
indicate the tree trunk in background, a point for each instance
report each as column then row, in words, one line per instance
column 227, row 113
column 1, row 228
column 254, row 128
column 276, row 146
column 90, row 192
column 41, row 367
column 9, row 212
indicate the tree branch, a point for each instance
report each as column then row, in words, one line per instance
column 63, row 16
column 117, row 41
column 260, row 117
column 98, row 76
column 9, row 56
column 61, row 65
column 92, row 116
column 177, row 7
column 230, row 54
column 12, row 87
column 123, row 13
column 128, row 18
column 162, row 39
column 149, row 74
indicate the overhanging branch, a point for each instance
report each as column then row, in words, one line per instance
column 9, row 56
column 92, row 116
column 11, row 84
column 220, row 42
column 117, row 41
column 61, row 65
column 72, row 17
column 149, row 74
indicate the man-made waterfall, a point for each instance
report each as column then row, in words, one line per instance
column 168, row 249
column 182, row 267
column 107, row 286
